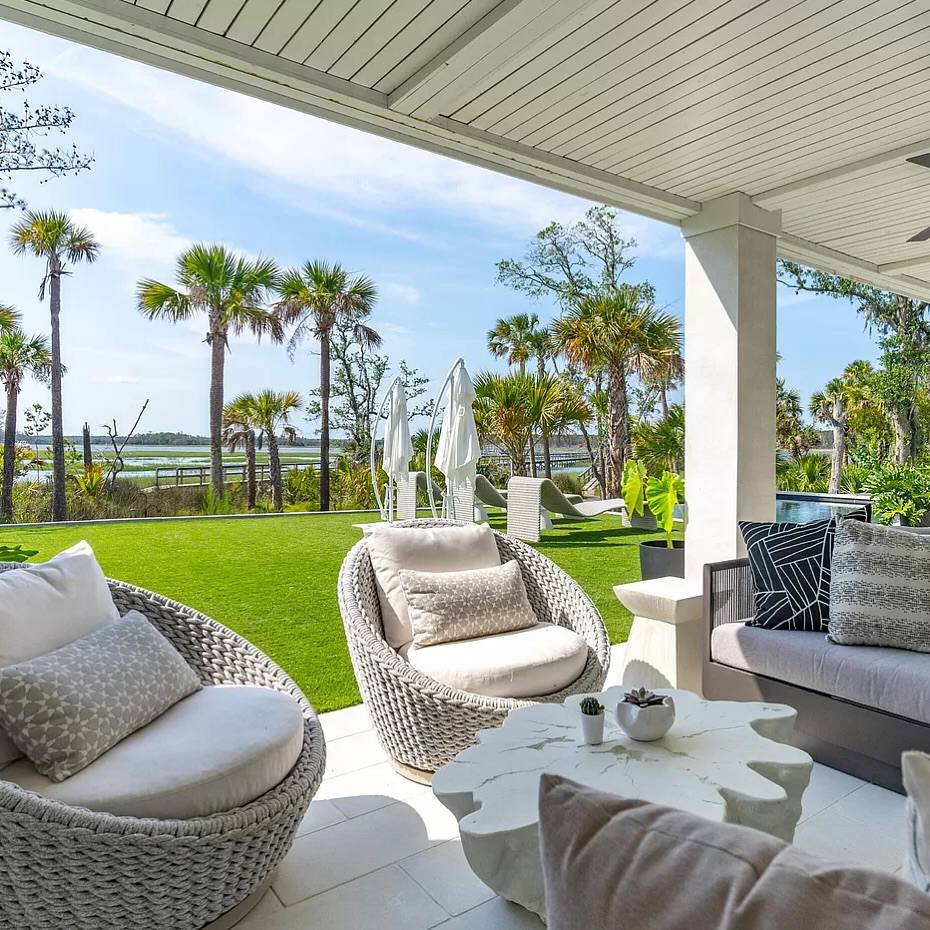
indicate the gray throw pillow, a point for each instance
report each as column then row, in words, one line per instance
column 66, row 708
column 612, row 862
column 880, row 591
column 449, row 606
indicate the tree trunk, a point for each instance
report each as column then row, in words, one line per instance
column 902, row 441
column 251, row 488
column 617, row 416
column 544, row 433
column 217, row 365
column 532, row 456
column 838, row 421
column 88, row 451
column 598, row 473
column 663, row 402
column 59, row 490
column 324, row 421
column 9, row 454
column 274, row 466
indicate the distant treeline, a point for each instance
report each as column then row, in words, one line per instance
column 156, row 439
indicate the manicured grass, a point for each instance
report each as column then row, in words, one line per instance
column 274, row 579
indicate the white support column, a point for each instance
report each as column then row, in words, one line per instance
column 729, row 375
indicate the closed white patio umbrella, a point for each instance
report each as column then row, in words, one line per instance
column 398, row 448
column 458, row 448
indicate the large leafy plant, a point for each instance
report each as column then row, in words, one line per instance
column 663, row 494
column 633, row 486
column 899, row 492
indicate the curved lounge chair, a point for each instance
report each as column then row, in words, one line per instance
column 63, row 866
column 422, row 724
column 525, row 497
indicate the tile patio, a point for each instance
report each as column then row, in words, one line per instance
column 376, row 850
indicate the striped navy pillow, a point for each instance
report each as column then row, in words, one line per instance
column 790, row 568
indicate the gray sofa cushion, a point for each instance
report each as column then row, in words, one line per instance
column 620, row 864
column 891, row 680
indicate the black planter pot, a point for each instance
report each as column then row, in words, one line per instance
column 656, row 560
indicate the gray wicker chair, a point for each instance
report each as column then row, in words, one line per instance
column 65, row 867
column 421, row 723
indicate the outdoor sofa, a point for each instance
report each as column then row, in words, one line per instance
column 63, row 865
column 858, row 707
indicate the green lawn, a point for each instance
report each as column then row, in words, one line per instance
column 274, row 579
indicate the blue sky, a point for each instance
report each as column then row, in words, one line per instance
column 178, row 162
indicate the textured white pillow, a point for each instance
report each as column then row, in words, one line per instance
column 48, row 605
column 448, row 606
column 422, row 549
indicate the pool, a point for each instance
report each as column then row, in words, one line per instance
column 805, row 511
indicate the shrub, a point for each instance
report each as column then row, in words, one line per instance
column 568, row 483
column 302, row 486
column 899, row 492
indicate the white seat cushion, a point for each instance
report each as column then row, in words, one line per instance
column 216, row 750
column 518, row 664
column 421, row 549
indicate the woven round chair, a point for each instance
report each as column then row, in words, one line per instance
column 67, row 867
column 422, row 724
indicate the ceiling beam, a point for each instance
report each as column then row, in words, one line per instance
column 900, row 154
column 483, row 51
column 915, row 262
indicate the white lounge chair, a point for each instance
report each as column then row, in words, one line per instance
column 406, row 490
column 527, row 497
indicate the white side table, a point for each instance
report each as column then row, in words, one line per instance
column 664, row 648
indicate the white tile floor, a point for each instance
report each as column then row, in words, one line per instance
column 376, row 850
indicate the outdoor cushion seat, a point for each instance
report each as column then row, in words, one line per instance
column 216, row 750
column 892, row 680
column 538, row 660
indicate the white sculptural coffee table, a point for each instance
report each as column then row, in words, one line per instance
column 725, row 760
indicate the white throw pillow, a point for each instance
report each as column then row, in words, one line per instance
column 422, row 549
column 46, row 606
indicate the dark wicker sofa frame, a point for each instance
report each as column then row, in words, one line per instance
column 863, row 741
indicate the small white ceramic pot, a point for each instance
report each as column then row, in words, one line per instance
column 646, row 723
column 592, row 729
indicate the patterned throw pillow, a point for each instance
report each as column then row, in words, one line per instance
column 68, row 707
column 790, row 567
column 880, row 594
column 448, row 606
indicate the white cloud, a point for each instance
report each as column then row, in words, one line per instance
column 386, row 328
column 335, row 166
column 400, row 292
column 134, row 237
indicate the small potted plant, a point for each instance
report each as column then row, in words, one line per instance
column 644, row 715
column 592, row 721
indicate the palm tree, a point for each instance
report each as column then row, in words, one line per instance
column 509, row 407
column 515, row 338
column 621, row 333
column 20, row 355
column 239, row 430
column 231, row 292
column 314, row 298
column 53, row 236
column 271, row 412
column 660, row 446
column 829, row 406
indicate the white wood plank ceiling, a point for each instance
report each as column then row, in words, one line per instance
column 809, row 106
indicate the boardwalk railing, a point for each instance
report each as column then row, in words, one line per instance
column 199, row 475
column 558, row 459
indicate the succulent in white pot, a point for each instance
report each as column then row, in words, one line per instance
column 644, row 715
column 592, row 721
